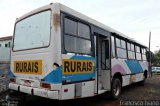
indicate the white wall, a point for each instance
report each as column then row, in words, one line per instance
column 4, row 54
column 2, row 43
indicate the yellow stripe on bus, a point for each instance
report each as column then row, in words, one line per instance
column 28, row 67
column 70, row 66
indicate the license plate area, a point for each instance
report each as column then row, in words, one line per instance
column 27, row 83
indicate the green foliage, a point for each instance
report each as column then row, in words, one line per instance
column 156, row 59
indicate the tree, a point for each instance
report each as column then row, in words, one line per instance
column 156, row 59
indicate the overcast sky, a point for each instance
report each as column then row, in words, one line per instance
column 134, row 18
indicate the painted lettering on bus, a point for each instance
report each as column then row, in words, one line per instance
column 77, row 66
column 24, row 67
column 28, row 67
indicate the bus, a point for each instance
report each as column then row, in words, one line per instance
column 59, row 53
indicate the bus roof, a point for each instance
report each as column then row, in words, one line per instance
column 94, row 22
column 83, row 17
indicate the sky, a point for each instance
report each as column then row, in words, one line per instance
column 134, row 18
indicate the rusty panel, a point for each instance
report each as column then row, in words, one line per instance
column 56, row 21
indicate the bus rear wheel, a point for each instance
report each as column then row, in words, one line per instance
column 116, row 88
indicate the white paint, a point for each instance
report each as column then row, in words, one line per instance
column 53, row 94
column 126, row 80
column 88, row 88
column 25, row 89
column 139, row 77
column 56, row 86
column 13, row 86
column 40, row 92
column 70, row 94
column 101, row 91
column 106, row 79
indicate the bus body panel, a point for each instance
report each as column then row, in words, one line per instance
column 131, row 70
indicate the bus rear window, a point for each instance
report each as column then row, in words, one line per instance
column 33, row 32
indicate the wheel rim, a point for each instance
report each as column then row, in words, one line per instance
column 116, row 89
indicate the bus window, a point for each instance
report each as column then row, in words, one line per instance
column 118, row 43
column 138, row 53
column 83, row 31
column 33, row 31
column 131, row 52
column 77, row 37
column 143, row 53
column 72, row 29
column 121, row 48
column 113, row 46
column 132, row 47
column 123, row 44
column 128, row 46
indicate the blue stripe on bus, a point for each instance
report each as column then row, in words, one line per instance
column 78, row 77
column 134, row 66
column 56, row 75
column 11, row 74
column 82, row 58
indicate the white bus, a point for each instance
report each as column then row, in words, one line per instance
column 59, row 53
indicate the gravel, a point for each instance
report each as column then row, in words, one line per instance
column 149, row 92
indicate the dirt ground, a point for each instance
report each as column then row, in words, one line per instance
column 133, row 94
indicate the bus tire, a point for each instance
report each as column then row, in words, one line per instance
column 116, row 88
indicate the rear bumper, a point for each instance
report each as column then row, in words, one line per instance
column 35, row 91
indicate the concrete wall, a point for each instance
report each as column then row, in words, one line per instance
column 4, row 76
column 4, row 68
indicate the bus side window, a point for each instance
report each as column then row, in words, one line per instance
column 143, row 53
column 121, row 48
column 77, row 37
column 133, row 51
column 113, row 46
column 138, row 53
column 130, row 50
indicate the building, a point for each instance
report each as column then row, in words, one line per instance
column 5, row 41
column 5, row 44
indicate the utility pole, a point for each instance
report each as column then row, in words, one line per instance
column 149, row 68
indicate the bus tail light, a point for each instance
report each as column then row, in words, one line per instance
column 12, row 80
column 65, row 90
column 46, row 85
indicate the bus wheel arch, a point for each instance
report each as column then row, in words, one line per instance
column 145, row 74
column 116, row 86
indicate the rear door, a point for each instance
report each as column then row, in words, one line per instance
column 103, row 59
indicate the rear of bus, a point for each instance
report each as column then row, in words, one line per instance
column 36, row 53
column 38, row 65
